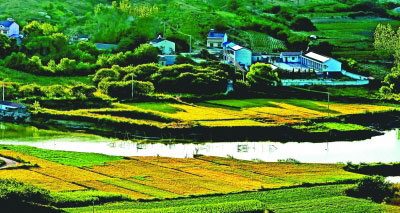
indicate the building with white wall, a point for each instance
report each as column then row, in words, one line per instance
column 321, row 63
column 236, row 53
column 9, row 28
column 166, row 47
column 216, row 40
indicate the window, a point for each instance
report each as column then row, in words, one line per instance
column 325, row 66
column 293, row 58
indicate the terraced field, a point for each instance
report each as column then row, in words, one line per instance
column 160, row 177
column 215, row 113
column 264, row 43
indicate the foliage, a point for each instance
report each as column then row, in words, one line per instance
column 261, row 75
column 83, row 91
column 83, row 198
column 31, row 90
column 374, row 188
column 145, row 54
column 105, row 73
column 384, row 169
column 180, row 59
column 302, row 24
column 190, row 79
column 142, row 72
column 123, row 89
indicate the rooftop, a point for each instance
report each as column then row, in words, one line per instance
column 317, row 57
column 12, row 104
column 6, row 23
column 291, row 53
column 213, row 34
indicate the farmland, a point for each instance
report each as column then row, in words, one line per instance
column 160, row 177
column 245, row 112
column 260, row 42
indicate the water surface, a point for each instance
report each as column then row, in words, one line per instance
column 384, row 148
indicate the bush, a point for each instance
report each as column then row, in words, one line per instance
column 302, row 24
column 12, row 191
column 31, row 90
column 112, row 74
column 19, row 61
column 83, row 91
column 374, row 188
column 123, row 89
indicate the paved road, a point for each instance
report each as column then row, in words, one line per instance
column 9, row 163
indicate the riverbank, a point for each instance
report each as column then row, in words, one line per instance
column 193, row 123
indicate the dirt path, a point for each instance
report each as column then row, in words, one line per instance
column 9, row 163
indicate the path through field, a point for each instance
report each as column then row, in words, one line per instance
column 9, row 163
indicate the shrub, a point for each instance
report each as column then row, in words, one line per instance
column 83, row 91
column 31, row 90
column 302, row 24
column 123, row 89
column 12, row 191
column 374, row 188
column 112, row 74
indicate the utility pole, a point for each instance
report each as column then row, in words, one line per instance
column 132, row 85
column 190, row 45
column 3, row 89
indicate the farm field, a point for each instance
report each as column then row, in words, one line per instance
column 215, row 113
column 284, row 200
column 260, row 42
column 161, row 177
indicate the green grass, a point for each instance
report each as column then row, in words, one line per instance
column 331, row 197
column 83, row 198
column 156, row 106
column 139, row 188
column 26, row 78
column 78, row 159
column 329, row 126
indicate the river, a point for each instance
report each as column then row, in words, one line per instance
column 383, row 148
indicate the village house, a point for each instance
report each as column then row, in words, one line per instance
column 236, row 53
column 321, row 63
column 13, row 111
column 290, row 57
column 167, row 60
column 9, row 28
column 166, row 47
column 216, row 40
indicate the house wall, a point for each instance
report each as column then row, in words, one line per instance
column 14, row 29
column 332, row 66
column 166, row 47
column 243, row 56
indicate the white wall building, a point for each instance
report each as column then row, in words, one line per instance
column 9, row 28
column 321, row 63
column 240, row 54
column 216, row 40
column 166, row 47
column 290, row 57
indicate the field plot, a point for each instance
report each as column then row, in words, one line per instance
column 284, row 200
column 266, row 112
column 215, row 113
column 160, row 177
column 264, row 43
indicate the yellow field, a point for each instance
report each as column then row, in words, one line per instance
column 161, row 177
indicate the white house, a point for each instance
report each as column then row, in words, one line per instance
column 166, row 47
column 9, row 28
column 236, row 53
column 290, row 57
column 321, row 63
column 216, row 40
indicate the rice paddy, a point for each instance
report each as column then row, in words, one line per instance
column 161, row 177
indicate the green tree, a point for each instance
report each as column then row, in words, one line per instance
column 5, row 46
column 261, row 75
column 301, row 23
column 374, row 188
column 145, row 54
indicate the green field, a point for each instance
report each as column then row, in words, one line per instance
column 260, row 42
column 78, row 159
column 26, row 78
column 324, row 198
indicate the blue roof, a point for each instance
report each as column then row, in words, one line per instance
column 106, row 46
column 169, row 59
column 12, row 104
column 226, row 43
column 216, row 35
column 6, row 23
